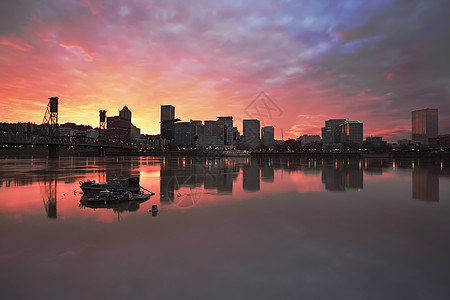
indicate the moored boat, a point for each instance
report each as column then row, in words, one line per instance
column 131, row 184
column 115, row 197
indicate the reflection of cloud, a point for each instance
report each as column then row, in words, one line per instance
column 76, row 254
column 307, row 183
column 16, row 256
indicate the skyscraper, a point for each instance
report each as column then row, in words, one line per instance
column 352, row 132
column 227, row 130
column 119, row 127
column 331, row 133
column 267, row 135
column 185, row 133
column 251, row 133
column 167, row 122
column 211, row 135
column 424, row 124
column 125, row 113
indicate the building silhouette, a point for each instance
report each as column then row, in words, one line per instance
column 186, row 133
column 167, row 122
column 212, row 134
column 331, row 133
column 119, row 127
column 227, row 130
column 268, row 135
column 251, row 131
column 352, row 132
column 424, row 124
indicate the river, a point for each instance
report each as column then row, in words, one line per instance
column 227, row 228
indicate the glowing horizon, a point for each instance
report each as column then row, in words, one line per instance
column 317, row 60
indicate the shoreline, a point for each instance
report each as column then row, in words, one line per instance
column 42, row 153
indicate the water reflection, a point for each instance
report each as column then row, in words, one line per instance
column 119, row 207
column 183, row 182
column 48, row 193
column 343, row 175
column 182, row 177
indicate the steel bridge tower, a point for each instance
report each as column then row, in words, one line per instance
column 102, row 120
column 50, row 121
column 51, row 114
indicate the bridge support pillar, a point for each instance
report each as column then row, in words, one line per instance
column 101, row 152
column 53, row 151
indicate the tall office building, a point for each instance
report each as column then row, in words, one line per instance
column 119, row 127
column 331, row 133
column 125, row 113
column 352, row 132
column 185, row 134
column 167, row 122
column 267, row 135
column 251, row 131
column 211, row 135
column 227, row 130
column 424, row 124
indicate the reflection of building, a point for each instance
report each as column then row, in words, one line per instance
column 425, row 185
column 251, row 177
column 251, row 130
column 424, row 124
column 167, row 182
column 343, row 176
column 267, row 172
column 225, row 181
column 167, row 122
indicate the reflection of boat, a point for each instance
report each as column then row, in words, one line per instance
column 118, row 201
column 118, row 207
column 90, row 187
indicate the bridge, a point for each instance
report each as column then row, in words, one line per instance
column 48, row 135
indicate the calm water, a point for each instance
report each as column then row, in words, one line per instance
column 227, row 229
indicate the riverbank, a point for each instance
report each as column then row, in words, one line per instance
column 27, row 152
column 409, row 154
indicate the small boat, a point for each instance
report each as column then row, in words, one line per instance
column 154, row 208
column 141, row 196
column 131, row 184
column 107, row 196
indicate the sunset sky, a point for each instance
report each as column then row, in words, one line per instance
column 372, row 61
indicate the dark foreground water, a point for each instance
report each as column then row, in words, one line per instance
column 227, row 229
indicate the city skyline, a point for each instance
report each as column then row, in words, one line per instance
column 374, row 62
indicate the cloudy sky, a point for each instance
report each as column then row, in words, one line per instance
column 372, row 61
